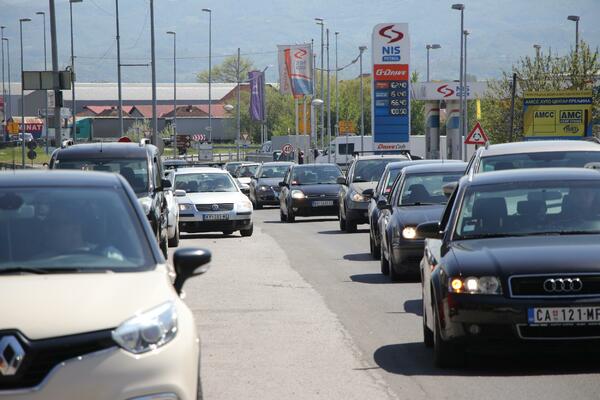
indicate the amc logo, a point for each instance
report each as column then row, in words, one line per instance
column 388, row 32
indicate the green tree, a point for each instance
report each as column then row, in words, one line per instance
column 227, row 70
column 574, row 71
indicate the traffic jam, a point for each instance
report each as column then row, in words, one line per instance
column 145, row 268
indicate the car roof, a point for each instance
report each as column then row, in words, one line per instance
column 532, row 175
column 105, row 150
column 276, row 163
column 315, row 165
column 539, row 146
column 200, row 170
column 436, row 167
column 58, row 178
column 403, row 164
column 380, row 156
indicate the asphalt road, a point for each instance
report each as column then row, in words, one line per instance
column 383, row 321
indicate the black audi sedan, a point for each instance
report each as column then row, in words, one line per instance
column 514, row 261
column 264, row 186
column 416, row 197
column 309, row 190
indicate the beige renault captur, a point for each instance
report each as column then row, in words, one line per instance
column 90, row 309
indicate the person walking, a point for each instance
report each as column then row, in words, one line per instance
column 301, row 157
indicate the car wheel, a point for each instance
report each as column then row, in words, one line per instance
column 227, row 233
column 427, row 333
column 174, row 242
column 375, row 250
column 247, row 232
column 281, row 216
column 445, row 355
column 342, row 221
column 258, row 205
column 350, row 226
column 394, row 275
column 385, row 265
column 291, row 218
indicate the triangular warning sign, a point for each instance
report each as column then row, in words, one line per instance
column 477, row 135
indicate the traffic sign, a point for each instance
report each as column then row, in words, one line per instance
column 31, row 145
column 199, row 138
column 245, row 136
column 477, row 135
column 287, row 149
column 31, row 154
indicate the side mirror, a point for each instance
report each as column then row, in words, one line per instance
column 245, row 188
column 180, row 193
column 449, row 188
column 340, row 180
column 368, row 193
column 165, row 183
column 189, row 263
column 382, row 204
column 429, row 230
column 282, row 184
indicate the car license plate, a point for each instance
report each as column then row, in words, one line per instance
column 216, row 217
column 322, row 203
column 564, row 315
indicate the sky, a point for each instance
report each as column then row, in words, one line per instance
column 502, row 31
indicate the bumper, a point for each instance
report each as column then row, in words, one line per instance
column 270, row 197
column 407, row 255
column 172, row 225
column 198, row 223
column 309, row 207
column 357, row 212
column 504, row 323
column 115, row 374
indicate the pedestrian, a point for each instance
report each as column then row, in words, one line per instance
column 301, row 157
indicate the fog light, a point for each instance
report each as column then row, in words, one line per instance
column 295, row 209
column 474, row 329
column 456, row 285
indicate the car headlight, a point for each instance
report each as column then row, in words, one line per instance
column 263, row 188
column 244, row 206
column 185, row 207
column 146, row 203
column 409, row 233
column 298, row 194
column 149, row 330
column 475, row 285
column 357, row 197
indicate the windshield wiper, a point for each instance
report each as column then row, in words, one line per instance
column 418, row 203
column 38, row 271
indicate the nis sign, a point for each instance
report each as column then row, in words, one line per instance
column 391, row 84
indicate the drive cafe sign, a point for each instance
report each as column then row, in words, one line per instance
column 390, row 104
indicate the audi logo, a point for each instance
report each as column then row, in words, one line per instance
column 563, row 285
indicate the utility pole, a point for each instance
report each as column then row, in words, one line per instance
column 22, row 93
column 461, row 130
column 43, row 14
column 3, row 86
column 74, row 124
column 337, row 101
column 174, row 140
column 362, row 103
column 57, row 91
column 238, row 104
column 8, row 109
column 466, row 33
column 321, row 22
column 155, row 137
column 119, row 82
column 328, row 104
column 209, row 11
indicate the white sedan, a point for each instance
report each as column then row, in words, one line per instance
column 210, row 200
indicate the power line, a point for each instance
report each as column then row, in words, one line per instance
column 181, row 58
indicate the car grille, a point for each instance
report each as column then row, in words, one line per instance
column 41, row 356
column 533, row 286
column 319, row 197
column 559, row 332
column 209, row 207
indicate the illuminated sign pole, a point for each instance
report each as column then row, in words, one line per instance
column 390, row 100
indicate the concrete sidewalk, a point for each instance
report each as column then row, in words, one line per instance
column 266, row 334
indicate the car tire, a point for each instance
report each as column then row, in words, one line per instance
column 281, row 216
column 394, row 275
column 350, row 226
column 258, row 205
column 427, row 333
column 227, row 233
column 445, row 355
column 247, row 232
column 174, row 242
column 342, row 220
column 290, row 218
column 375, row 250
column 385, row 265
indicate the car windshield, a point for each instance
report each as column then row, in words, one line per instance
column 273, row 171
column 393, row 174
column 247, row 171
column 529, row 208
column 371, row 170
column 231, row 167
column 70, row 228
column 553, row 159
column 205, row 182
column 316, row 175
column 135, row 171
column 422, row 189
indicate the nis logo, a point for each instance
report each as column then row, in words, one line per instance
column 390, row 52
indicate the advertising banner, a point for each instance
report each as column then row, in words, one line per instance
column 557, row 114
column 295, row 69
column 447, row 90
column 390, row 100
column 257, row 95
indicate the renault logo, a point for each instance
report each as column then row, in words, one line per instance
column 215, row 207
column 11, row 355
column 563, row 285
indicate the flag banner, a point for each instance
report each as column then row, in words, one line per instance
column 257, row 95
column 295, row 69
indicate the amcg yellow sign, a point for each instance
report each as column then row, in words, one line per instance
column 557, row 115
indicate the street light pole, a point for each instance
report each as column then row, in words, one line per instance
column 9, row 108
column 328, row 103
column 238, row 105
column 73, row 125
column 362, row 102
column 153, row 52
column 337, row 102
column 321, row 22
column 466, row 33
column 430, row 47
column 3, row 86
column 575, row 18
column 22, row 94
column 119, row 81
column 57, row 91
column 174, row 92
column 209, row 11
column 461, row 8
column 43, row 14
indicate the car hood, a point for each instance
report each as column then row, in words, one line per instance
column 269, row 181
column 362, row 186
column 329, row 189
column 218, row 197
column 527, row 255
column 415, row 215
column 45, row 306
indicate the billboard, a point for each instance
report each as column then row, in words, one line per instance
column 557, row 114
column 447, row 90
column 390, row 100
column 295, row 69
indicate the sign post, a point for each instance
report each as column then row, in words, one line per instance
column 390, row 100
